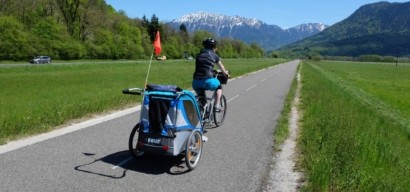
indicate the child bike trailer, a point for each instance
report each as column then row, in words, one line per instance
column 169, row 124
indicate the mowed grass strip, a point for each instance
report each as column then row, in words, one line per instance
column 384, row 86
column 37, row 98
column 347, row 144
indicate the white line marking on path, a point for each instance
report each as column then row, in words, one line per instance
column 122, row 163
column 251, row 87
column 232, row 98
column 264, row 79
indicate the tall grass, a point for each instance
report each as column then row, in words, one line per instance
column 37, row 98
column 347, row 143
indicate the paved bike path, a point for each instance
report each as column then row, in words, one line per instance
column 237, row 156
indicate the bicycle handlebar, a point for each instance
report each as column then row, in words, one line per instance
column 221, row 76
column 219, row 71
column 133, row 91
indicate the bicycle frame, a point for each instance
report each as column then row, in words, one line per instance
column 207, row 110
column 208, row 113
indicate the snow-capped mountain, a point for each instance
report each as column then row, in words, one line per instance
column 305, row 30
column 248, row 30
column 216, row 20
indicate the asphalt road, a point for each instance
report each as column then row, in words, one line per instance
column 237, row 156
column 25, row 64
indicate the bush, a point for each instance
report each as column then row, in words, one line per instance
column 389, row 59
column 370, row 58
column 315, row 58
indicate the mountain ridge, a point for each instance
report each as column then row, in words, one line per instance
column 246, row 29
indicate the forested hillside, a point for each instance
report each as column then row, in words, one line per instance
column 380, row 28
column 91, row 29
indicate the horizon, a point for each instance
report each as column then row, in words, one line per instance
column 283, row 14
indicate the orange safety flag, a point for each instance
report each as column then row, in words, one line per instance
column 157, row 44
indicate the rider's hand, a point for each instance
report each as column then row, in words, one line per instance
column 226, row 73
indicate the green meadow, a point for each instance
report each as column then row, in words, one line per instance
column 38, row 98
column 355, row 132
column 355, row 126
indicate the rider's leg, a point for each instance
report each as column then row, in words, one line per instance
column 201, row 97
column 212, row 84
column 218, row 97
column 199, row 87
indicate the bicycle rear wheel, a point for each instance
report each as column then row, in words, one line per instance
column 219, row 116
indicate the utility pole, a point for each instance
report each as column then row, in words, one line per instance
column 397, row 55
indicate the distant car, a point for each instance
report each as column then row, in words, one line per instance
column 187, row 56
column 41, row 59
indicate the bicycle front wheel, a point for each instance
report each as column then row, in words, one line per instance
column 219, row 116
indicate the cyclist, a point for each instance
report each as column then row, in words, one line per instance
column 204, row 77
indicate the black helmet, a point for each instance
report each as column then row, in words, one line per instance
column 209, row 43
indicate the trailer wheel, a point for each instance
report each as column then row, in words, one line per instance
column 193, row 149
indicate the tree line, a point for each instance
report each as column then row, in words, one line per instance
column 91, row 29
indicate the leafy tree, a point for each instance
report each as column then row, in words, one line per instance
column 370, row 58
column 182, row 28
column 239, row 47
column 153, row 27
column 199, row 36
column 257, row 50
column 172, row 48
column 14, row 40
column 70, row 10
column 389, row 59
column 145, row 22
column 70, row 50
column 47, row 29
column 226, row 49
column 183, row 32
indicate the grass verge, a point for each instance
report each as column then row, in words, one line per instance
column 347, row 142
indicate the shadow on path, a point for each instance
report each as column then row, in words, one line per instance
column 123, row 161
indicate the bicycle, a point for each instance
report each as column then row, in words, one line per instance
column 208, row 111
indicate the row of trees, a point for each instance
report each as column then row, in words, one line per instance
column 91, row 29
column 368, row 58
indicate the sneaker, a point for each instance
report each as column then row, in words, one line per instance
column 218, row 108
column 206, row 118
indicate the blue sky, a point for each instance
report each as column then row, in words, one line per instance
column 285, row 14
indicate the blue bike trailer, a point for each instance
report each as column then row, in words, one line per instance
column 168, row 117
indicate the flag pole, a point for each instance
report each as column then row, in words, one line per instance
column 149, row 67
column 157, row 50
